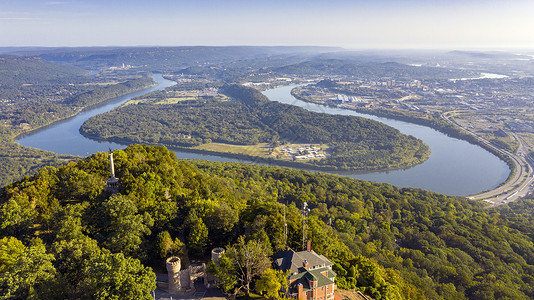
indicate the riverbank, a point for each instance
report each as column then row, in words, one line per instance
column 455, row 167
column 105, row 101
column 18, row 160
column 354, row 143
column 260, row 160
column 438, row 123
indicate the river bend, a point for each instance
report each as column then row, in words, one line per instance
column 454, row 167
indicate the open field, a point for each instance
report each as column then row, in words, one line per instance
column 262, row 150
column 176, row 98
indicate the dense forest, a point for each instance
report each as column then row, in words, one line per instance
column 355, row 143
column 62, row 234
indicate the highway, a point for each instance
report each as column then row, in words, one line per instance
column 521, row 183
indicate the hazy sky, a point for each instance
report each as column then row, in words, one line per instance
column 350, row 24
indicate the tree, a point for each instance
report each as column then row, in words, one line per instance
column 223, row 218
column 114, row 276
column 10, row 251
column 271, row 283
column 225, row 273
column 29, row 276
column 125, row 228
column 68, row 221
column 16, row 215
column 250, row 259
column 167, row 247
column 74, row 183
column 73, row 257
column 197, row 239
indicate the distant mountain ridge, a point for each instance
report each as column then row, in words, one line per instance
column 369, row 70
column 163, row 59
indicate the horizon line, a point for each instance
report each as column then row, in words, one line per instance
column 343, row 48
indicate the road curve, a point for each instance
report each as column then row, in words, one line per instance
column 519, row 185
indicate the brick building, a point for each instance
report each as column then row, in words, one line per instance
column 311, row 276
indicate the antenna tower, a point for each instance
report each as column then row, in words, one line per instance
column 285, row 227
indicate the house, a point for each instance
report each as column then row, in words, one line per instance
column 311, row 276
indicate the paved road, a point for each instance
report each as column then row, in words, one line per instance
column 521, row 182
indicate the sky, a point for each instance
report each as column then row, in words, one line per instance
column 356, row 24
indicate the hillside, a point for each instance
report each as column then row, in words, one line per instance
column 369, row 70
column 16, row 71
column 60, row 231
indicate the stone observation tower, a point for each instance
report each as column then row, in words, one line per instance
column 179, row 280
column 173, row 270
column 182, row 281
column 216, row 253
column 112, row 184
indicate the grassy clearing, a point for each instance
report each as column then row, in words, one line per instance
column 175, row 100
column 261, row 150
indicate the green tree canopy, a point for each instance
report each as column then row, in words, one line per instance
column 167, row 247
column 126, row 229
column 11, row 250
column 29, row 276
column 114, row 276
column 197, row 239
column 225, row 272
column 271, row 283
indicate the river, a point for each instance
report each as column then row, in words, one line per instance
column 455, row 167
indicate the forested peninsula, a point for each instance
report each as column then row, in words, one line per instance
column 62, row 235
column 249, row 118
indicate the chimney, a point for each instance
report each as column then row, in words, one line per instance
column 308, row 246
column 306, row 265
column 300, row 289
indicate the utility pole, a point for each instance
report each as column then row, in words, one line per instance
column 285, row 227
